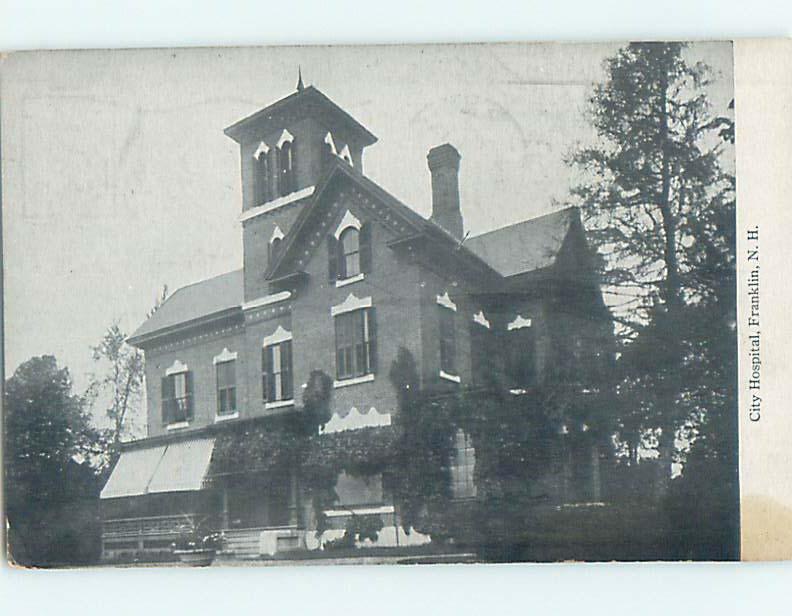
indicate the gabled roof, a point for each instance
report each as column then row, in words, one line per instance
column 418, row 225
column 215, row 296
column 526, row 246
column 523, row 247
column 308, row 101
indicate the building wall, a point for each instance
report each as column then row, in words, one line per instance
column 256, row 235
column 393, row 287
column 197, row 352
column 259, row 324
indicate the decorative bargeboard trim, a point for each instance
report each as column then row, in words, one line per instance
column 355, row 420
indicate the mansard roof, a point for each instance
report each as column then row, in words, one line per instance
column 527, row 246
column 216, row 297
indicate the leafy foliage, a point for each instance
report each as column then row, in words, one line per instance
column 50, row 489
column 316, row 400
column 121, row 385
column 660, row 209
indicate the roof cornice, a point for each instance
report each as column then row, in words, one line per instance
column 238, row 130
column 148, row 339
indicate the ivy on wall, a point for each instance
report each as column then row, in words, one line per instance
column 517, row 440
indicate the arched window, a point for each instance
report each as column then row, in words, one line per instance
column 274, row 247
column 262, row 178
column 345, row 155
column 286, row 168
column 350, row 253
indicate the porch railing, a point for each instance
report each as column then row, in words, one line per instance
column 156, row 525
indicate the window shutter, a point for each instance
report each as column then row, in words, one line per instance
column 166, row 404
column 365, row 247
column 266, row 373
column 332, row 258
column 286, row 370
column 188, row 385
column 292, row 160
column 337, row 322
column 271, row 382
column 372, row 329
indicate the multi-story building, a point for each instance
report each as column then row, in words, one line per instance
column 337, row 276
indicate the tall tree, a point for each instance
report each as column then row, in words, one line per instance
column 48, row 437
column 121, row 384
column 653, row 181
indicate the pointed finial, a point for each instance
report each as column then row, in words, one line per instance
column 300, row 86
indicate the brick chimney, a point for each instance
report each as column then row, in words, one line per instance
column 444, row 166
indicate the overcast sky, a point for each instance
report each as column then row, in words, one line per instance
column 117, row 177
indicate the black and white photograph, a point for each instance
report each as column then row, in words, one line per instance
column 397, row 304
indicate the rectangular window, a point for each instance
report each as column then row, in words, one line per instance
column 521, row 357
column 226, row 387
column 176, row 398
column 276, row 372
column 463, row 465
column 447, row 340
column 355, row 344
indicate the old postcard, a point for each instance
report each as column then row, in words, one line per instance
column 396, row 304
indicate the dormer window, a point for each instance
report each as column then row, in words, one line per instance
column 286, row 179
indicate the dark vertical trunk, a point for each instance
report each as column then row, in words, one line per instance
column 671, row 295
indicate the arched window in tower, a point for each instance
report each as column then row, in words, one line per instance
column 344, row 154
column 286, row 179
column 274, row 248
column 262, row 173
column 329, row 149
column 350, row 253
column 275, row 243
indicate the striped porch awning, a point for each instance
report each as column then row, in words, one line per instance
column 175, row 467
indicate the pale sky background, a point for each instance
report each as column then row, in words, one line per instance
column 117, row 177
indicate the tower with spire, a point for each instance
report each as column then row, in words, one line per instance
column 286, row 148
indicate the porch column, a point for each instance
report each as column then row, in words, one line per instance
column 224, row 512
column 596, row 491
column 294, row 505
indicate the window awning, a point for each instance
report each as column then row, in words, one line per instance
column 183, row 467
column 175, row 467
column 132, row 472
